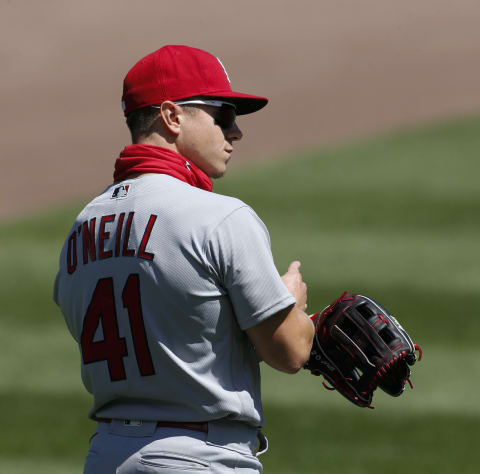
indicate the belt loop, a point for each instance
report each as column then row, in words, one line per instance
column 263, row 446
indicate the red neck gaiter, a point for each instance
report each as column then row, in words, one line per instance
column 156, row 159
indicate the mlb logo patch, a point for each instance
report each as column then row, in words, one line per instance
column 120, row 191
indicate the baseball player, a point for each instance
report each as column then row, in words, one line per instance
column 170, row 290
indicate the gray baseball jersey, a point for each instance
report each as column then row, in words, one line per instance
column 158, row 281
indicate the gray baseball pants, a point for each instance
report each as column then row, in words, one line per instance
column 120, row 447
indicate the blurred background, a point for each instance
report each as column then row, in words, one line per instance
column 364, row 166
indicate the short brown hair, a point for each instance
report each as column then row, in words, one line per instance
column 141, row 122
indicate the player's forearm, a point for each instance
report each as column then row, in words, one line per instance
column 284, row 340
column 298, row 343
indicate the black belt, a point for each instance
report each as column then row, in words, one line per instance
column 186, row 425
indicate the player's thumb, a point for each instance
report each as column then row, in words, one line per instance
column 294, row 267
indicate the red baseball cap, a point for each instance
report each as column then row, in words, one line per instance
column 177, row 72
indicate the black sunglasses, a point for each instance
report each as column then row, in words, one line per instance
column 225, row 117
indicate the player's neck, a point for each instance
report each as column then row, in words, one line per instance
column 156, row 139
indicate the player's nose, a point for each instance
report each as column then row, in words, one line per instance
column 234, row 133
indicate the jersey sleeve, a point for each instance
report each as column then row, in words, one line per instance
column 239, row 256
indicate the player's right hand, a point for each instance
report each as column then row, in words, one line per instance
column 295, row 284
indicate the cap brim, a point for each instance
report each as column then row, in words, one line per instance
column 244, row 103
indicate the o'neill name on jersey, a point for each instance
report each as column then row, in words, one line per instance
column 112, row 233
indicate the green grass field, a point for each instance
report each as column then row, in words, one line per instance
column 394, row 217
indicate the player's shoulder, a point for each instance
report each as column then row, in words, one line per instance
column 222, row 203
column 216, row 209
column 168, row 197
column 209, row 210
column 91, row 207
column 175, row 194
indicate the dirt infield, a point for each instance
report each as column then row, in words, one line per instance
column 332, row 69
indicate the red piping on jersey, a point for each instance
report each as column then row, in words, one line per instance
column 156, row 159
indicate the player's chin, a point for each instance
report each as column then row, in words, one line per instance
column 219, row 170
column 218, row 173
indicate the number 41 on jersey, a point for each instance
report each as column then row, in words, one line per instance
column 113, row 348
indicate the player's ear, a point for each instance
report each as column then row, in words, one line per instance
column 170, row 114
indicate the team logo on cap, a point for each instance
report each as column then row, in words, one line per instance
column 120, row 191
column 226, row 73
